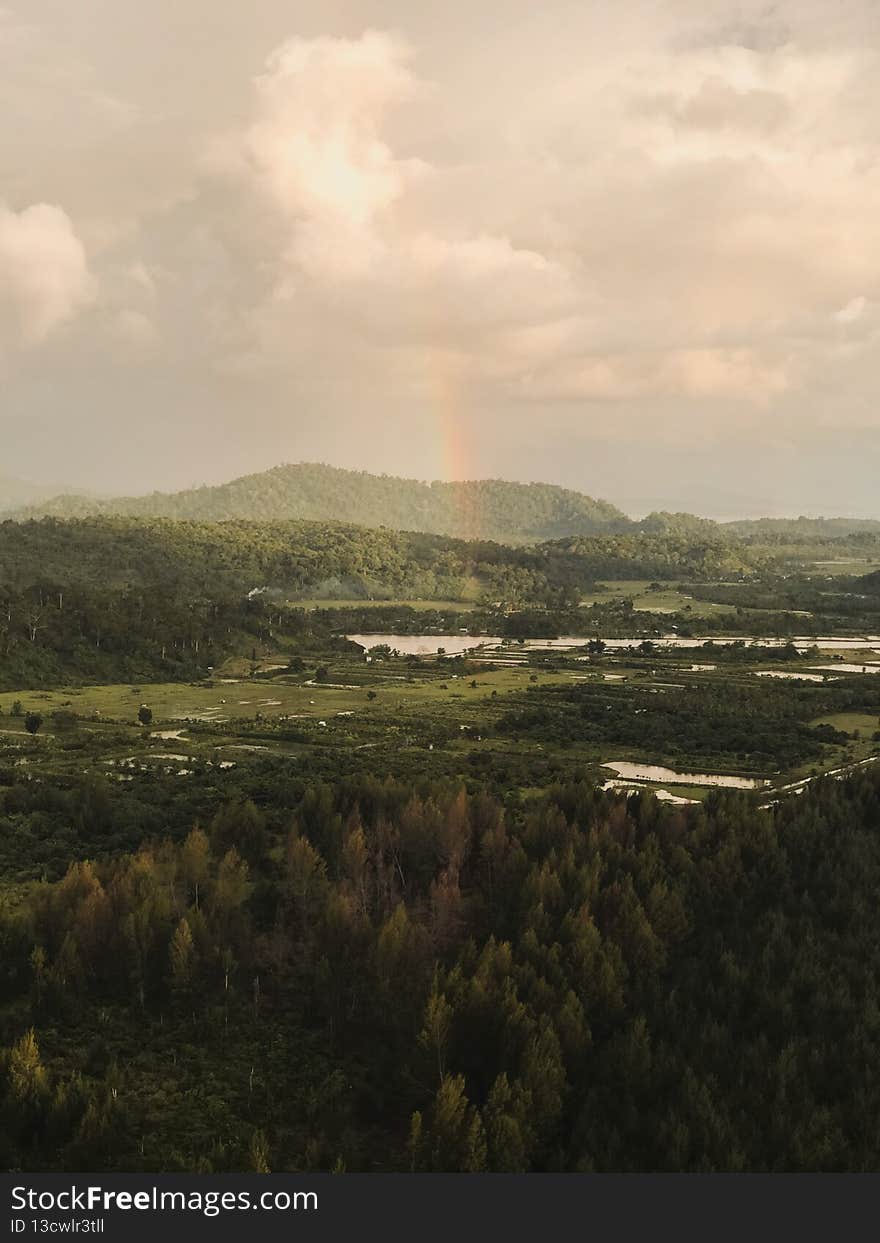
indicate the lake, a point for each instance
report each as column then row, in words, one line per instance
column 458, row 644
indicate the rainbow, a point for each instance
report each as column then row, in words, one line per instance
column 453, row 447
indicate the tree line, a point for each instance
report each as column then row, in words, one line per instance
column 401, row 976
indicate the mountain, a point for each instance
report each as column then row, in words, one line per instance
column 482, row 509
column 488, row 509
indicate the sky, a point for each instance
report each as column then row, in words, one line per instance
column 633, row 249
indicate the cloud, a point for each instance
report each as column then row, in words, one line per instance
column 44, row 276
column 853, row 311
column 694, row 373
column 358, row 240
column 315, row 146
column 718, row 105
column 676, row 209
column 589, row 220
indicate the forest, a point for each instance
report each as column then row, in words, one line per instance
column 373, row 975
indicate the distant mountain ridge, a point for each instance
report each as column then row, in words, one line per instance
column 482, row 509
column 489, row 509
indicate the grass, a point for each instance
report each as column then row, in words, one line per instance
column 849, row 722
column 407, row 700
column 669, row 600
column 242, row 699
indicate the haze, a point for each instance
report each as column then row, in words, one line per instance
column 631, row 249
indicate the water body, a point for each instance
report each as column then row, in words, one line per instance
column 425, row 644
column 458, row 644
column 665, row 796
column 802, row 642
column 840, row 667
column 653, row 772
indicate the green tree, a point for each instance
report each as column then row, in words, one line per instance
column 195, row 861
column 458, row 1141
column 27, row 1075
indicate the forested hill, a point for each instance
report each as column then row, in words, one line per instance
column 330, row 560
column 763, row 530
column 801, row 528
column 483, row 509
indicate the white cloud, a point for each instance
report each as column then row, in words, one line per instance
column 357, row 240
column 44, row 276
column 854, row 310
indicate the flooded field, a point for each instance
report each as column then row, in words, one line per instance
column 654, row 772
column 842, row 667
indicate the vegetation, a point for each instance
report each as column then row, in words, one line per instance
column 111, row 598
column 270, row 900
column 487, row 509
column 386, row 976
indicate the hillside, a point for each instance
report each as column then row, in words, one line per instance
column 110, row 598
column 484, row 509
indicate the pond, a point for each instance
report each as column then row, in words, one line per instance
column 653, row 772
column 840, row 667
column 665, row 796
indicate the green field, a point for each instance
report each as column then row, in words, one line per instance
column 850, row 722
column 670, row 599
column 407, row 707
column 243, row 699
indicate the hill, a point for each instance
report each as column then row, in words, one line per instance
column 802, row 528
column 483, row 509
